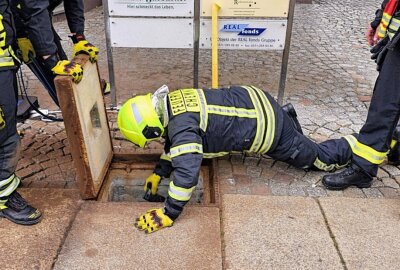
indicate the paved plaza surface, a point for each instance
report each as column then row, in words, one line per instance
column 269, row 215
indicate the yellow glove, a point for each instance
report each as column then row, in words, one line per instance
column 152, row 183
column 153, row 220
column 65, row 67
column 26, row 48
column 82, row 46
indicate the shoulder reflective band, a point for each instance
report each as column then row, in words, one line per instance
column 203, row 110
column 270, row 135
column 232, row 111
column 180, row 194
column 8, row 185
column 365, row 152
column 325, row 167
column 186, row 148
column 165, row 156
column 260, row 120
column 2, row 33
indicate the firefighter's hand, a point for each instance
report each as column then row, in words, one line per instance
column 82, row 46
column 153, row 220
column 152, row 183
column 372, row 36
column 65, row 67
column 26, row 48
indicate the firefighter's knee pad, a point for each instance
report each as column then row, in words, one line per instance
column 302, row 152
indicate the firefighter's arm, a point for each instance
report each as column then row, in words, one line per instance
column 74, row 12
column 186, row 154
column 378, row 15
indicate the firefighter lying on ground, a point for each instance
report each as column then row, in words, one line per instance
column 208, row 123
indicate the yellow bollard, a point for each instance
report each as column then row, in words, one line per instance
column 214, row 43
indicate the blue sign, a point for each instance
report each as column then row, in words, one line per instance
column 242, row 29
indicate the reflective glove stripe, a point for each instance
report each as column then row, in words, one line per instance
column 186, row 148
column 179, row 193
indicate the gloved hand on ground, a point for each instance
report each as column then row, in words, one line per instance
column 26, row 49
column 153, row 220
column 65, row 67
column 152, row 183
column 82, row 46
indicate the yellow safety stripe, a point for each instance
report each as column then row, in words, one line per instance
column 165, row 156
column 351, row 140
column 179, row 193
column 214, row 155
column 394, row 24
column 393, row 144
column 386, row 19
column 6, row 181
column 260, row 120
column 325, row 167
column 11, row 187
column 232, row 111
column 186, row 148
column 203, row 110
column 6, row 57
column 368, row 153
column 269, row 139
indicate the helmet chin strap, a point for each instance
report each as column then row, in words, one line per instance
column 159, row 100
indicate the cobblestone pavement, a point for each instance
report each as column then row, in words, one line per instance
column 330, row 81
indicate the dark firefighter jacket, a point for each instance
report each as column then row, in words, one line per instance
column 214, row 122
column 35, row 21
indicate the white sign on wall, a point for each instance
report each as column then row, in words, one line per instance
column 151, row 33
column 245, row 34
column 151, row 8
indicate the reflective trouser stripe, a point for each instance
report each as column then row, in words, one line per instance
column 269, row 137
column 165, row 156
column 8, row 185
column 260, row 120
column 325, row 167
column 214, row 155
column 365, row 152
column 203, row 110
column 179, row 193
column 186, row 148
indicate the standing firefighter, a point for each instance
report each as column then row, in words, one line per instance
column 12, row 205
column 210, row 123
column 375, row 137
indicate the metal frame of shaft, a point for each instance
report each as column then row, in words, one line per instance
column 110, row 60
column 214, row 45
column 196, row 48
column 285, row 56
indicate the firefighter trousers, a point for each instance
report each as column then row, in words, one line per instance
column 9, row 138
column 383, row 115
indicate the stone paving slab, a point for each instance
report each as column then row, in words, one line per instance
column 367, row 231
column 36, row 247
column 276, row 233
column 103, row 237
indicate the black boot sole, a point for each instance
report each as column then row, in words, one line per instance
column 21, row 222
column 362, row 185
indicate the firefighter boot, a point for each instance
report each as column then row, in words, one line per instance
column 351, row 176
column 19, row 211
column 291, row 112
column 394, row 153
